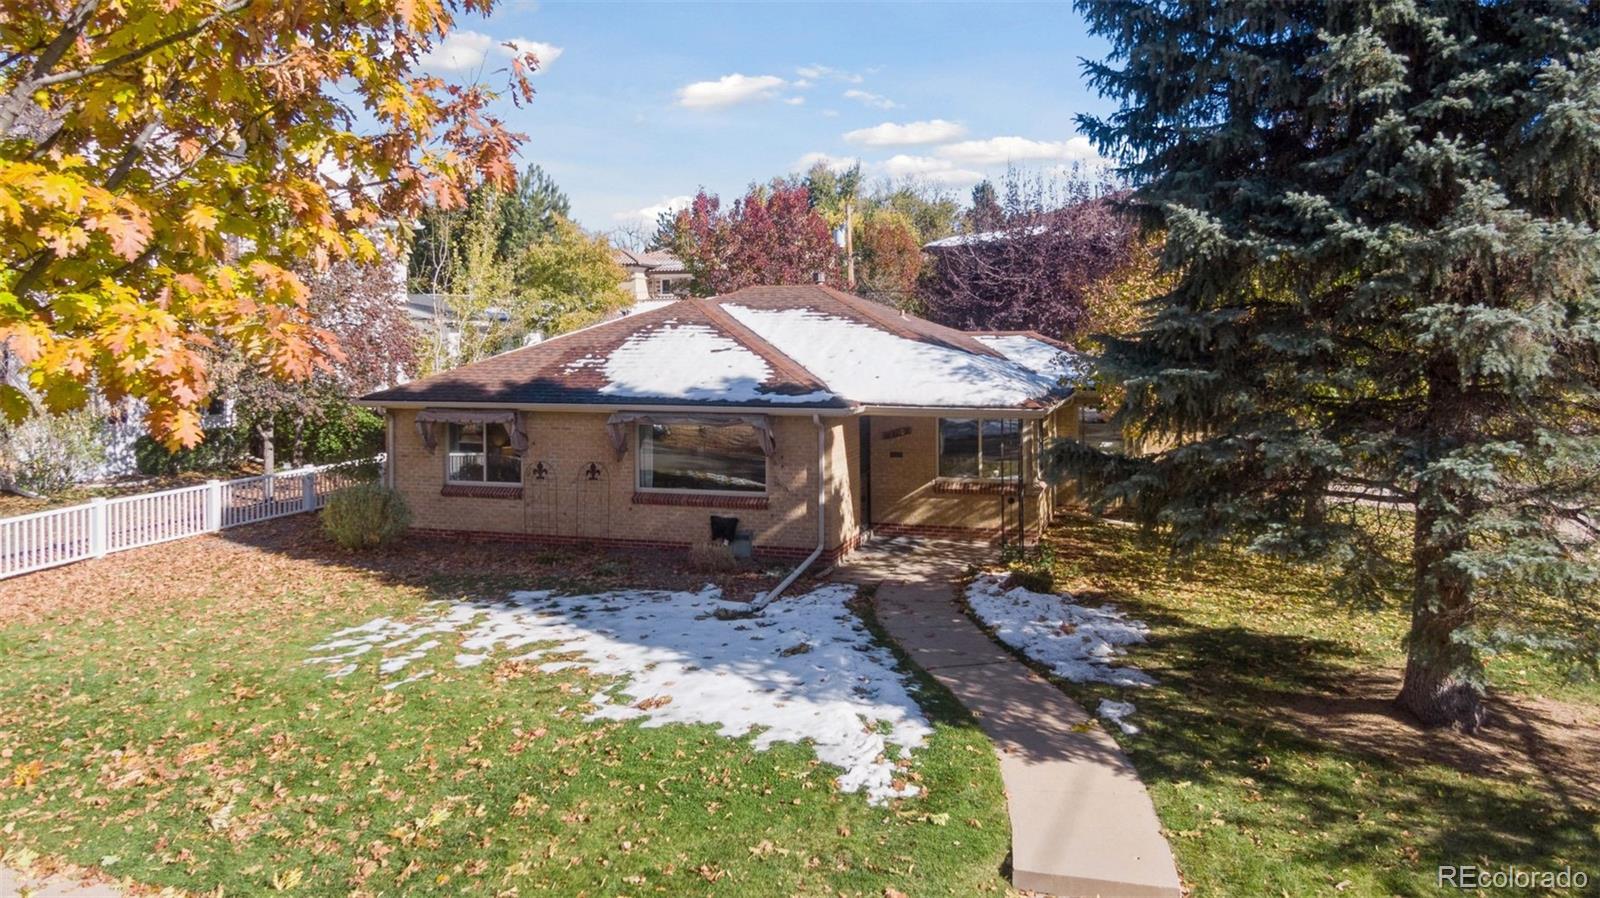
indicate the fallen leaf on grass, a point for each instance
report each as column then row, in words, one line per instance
column 23, row 776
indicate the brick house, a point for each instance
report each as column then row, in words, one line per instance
column 813, row 416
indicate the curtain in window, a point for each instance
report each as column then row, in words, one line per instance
column 428, row 417
column 617, row 427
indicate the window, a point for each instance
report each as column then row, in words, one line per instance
column 481, row 453
column 1096, row 429
column 987, row 449
column 696, row 457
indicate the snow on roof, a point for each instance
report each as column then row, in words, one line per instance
column 870, row 365
column 798, row 346
column 691, row 362
column 648, row 305
column 1037, row 355
column 985, row 237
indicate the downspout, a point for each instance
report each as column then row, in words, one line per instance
column 822, row 520
column 389, row 478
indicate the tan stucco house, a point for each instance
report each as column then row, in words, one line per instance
column 813, row 416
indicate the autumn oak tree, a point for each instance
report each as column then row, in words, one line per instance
column 166, row 166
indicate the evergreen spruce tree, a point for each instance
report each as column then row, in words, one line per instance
column 1381, row 215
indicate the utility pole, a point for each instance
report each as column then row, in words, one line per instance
column 850, row 244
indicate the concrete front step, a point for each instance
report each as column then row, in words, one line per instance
column 1081, row 821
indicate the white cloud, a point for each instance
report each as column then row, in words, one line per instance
column 729, row 90
column 927, row 168
column 467, row 50
column 795, row 101
column 890, row 134
column 871, row 99
column 836, row 163
column 547, row 53
column 649, row 214
column 1003, row 150
column 815, row 72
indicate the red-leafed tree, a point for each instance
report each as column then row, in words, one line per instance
column 770, row 236
column 888, row 258
column 361, row 320
column 1053, row 241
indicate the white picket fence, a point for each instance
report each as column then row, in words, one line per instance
column 99, row 527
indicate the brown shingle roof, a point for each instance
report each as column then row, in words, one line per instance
column 569, row 369
column 656, row 261
column 573, row 369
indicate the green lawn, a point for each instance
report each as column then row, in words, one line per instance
column 157, row 722
column 1272, row 756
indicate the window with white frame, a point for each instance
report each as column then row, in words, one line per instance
column 482, row 453
column 980, row 448
column 725, row 459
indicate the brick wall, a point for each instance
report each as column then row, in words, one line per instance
column 844, row 481
column 574, row 502
column 569, row 506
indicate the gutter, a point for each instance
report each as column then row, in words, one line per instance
column 607, row 407
column 822, row 520
column 777, row 411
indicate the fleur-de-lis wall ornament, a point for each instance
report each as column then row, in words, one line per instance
column 593, row 471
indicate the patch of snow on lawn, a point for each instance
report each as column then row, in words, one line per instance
column 1117, row 712
column 1076, row 642
column 802, row 669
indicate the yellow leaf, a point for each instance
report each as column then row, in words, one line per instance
column 200, row 217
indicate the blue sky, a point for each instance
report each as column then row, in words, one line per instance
column 640, row 104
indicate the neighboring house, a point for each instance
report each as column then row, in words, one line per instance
column 431, row 315
column 812, row 416
column 652, row 276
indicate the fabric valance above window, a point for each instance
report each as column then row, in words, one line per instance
column 511, row 421
column 618, row 424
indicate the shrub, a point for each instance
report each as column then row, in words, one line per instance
column 365, row 516
column 1033, row 568
column 344, row 431
column 49, row 453
column 221, row 450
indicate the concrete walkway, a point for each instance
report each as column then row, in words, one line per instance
column 1081, row 822
column 14, row 884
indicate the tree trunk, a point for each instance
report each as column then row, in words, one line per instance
column 1441, row 687
column 267, row 453
column 267, row 461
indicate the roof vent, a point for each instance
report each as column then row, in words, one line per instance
column 818, row 277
